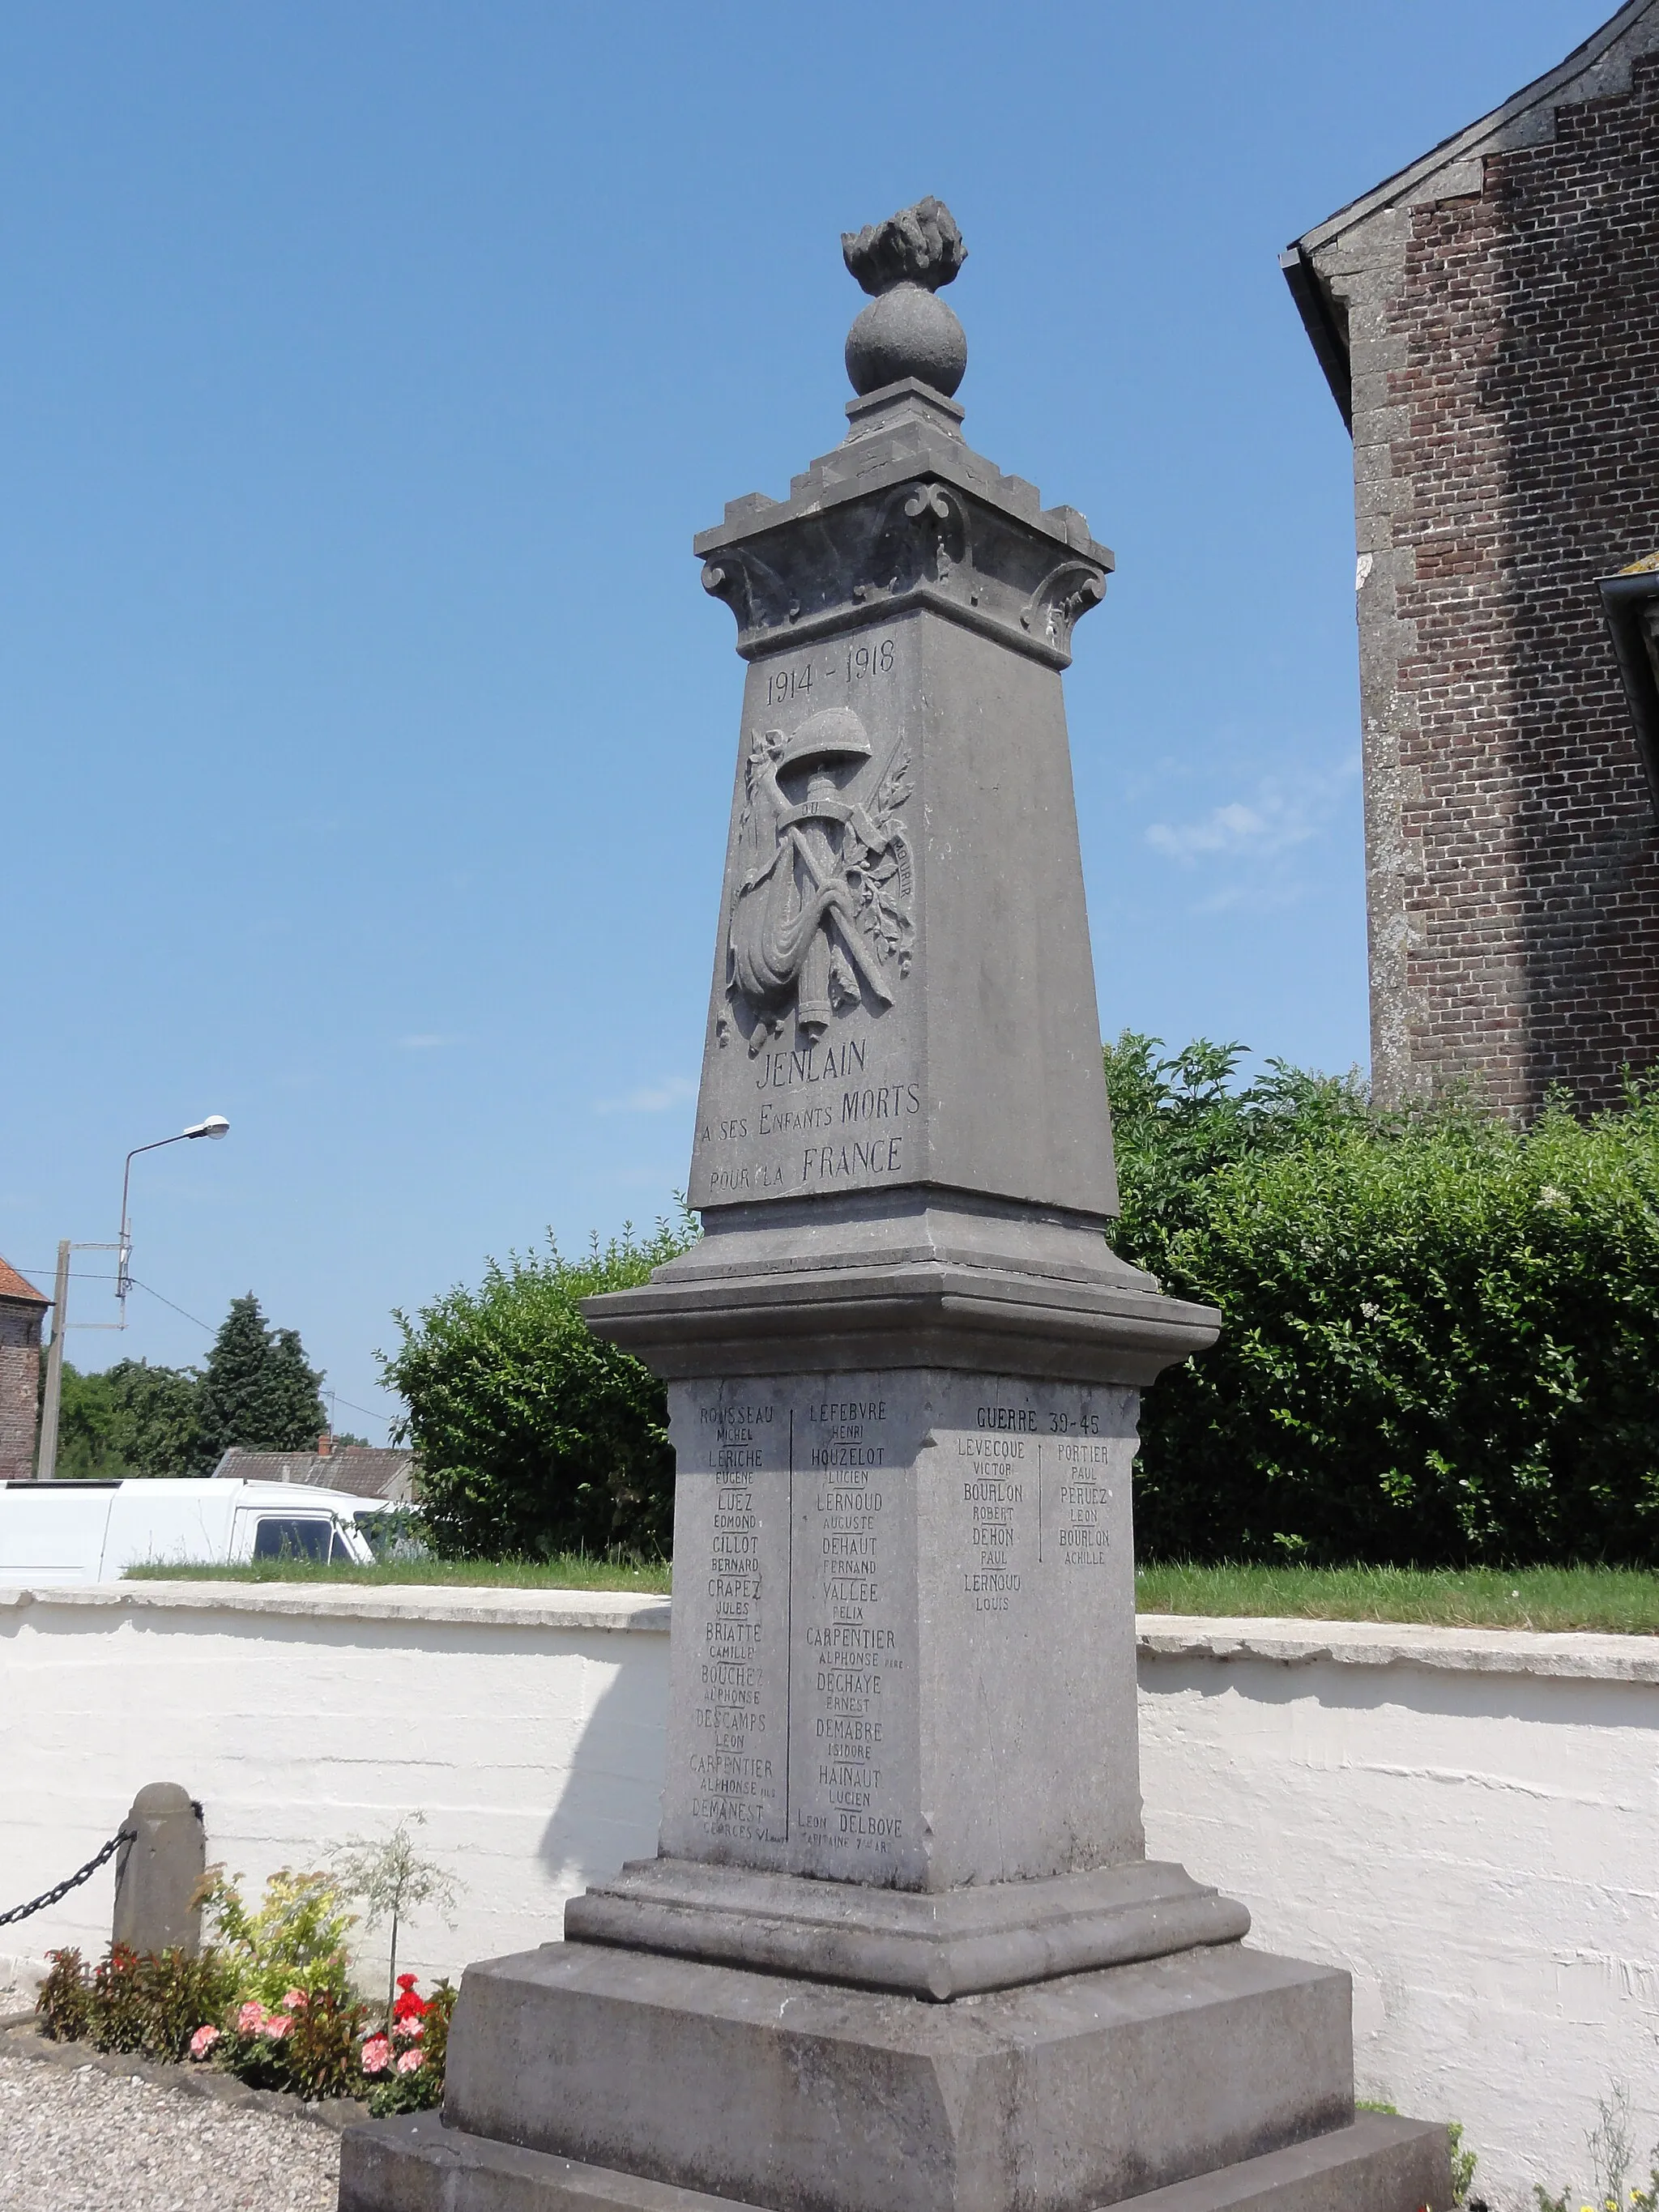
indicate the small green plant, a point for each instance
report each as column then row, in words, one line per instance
column 406, row 2062
column 308, row 2045
column 296, row 1939
column 1464, row 2163
column 149, row 2003
column 1612, row 2147
column 391, row 1881
column 64, row 2002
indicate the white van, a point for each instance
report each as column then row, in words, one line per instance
column 91, row 1532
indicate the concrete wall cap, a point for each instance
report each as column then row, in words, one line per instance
column 1577, row 1655
column 462, row 1605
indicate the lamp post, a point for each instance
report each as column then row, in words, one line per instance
column 215, row 1126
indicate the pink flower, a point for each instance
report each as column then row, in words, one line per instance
column 203, row 2041
column 251, row 2018
column 294, row 2000
column 409, row 2062
column 376, row 2055
column 276, row 2026
column 409, row 2031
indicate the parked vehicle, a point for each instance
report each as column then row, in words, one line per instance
column 89, row 1532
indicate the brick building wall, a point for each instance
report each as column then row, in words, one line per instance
column 20, row 1384
column 1493, row 317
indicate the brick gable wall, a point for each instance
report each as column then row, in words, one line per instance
column 20, row 1380
column 1506, row 426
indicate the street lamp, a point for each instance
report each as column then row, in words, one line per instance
column 215, row 1126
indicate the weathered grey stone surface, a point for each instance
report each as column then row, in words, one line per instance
column 903, row 1650
column 416, row 2164
column 807, row 2098
column 161, row 1871
column 912, row 1279
column 941, row 1027
column 902, row 1951
column 907, row 330
column 940, row 1945
column 1378, row 2165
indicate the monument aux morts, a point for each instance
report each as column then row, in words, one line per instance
column 902, row 1949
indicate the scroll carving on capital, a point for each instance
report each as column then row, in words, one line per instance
column 921, row 537
column 1064, row 596
column 757, row 595
column 822, row 920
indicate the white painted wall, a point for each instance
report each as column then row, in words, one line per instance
column 527, row 1725
column 1468, row 1822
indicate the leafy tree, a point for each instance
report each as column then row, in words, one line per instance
column 1439, row 1330
column 132, row 1420
column 86, row 1426
column 256, row 1390
column 157, row 1416
column 534, row 1437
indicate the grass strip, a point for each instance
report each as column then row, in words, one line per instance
column 1616, row 1601
column 570, row 1572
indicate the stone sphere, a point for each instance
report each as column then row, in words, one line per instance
column 908, row 332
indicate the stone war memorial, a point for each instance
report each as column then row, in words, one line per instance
column 902, row 1949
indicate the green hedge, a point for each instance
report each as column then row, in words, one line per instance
column 1440, row 1339
column 534, row 1437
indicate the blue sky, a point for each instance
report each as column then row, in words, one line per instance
column 366, row 734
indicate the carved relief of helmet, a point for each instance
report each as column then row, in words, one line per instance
column 834, row 733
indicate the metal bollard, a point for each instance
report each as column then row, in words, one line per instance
column 160, row 1871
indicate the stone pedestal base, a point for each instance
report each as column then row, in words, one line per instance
column 580, row 2071
column 1379, row 2164
column 992, row 1937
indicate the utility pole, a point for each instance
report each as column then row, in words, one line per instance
column 46, row 1462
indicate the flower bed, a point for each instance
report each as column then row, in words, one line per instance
column 267, row 2001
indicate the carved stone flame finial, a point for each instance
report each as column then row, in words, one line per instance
column 907, row 330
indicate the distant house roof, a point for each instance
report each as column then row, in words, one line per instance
column 15, row 1287
column 365, row 1470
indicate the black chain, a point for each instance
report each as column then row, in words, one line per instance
column 70, row 1881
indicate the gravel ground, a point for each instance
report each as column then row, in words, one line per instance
column 84, row 2141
